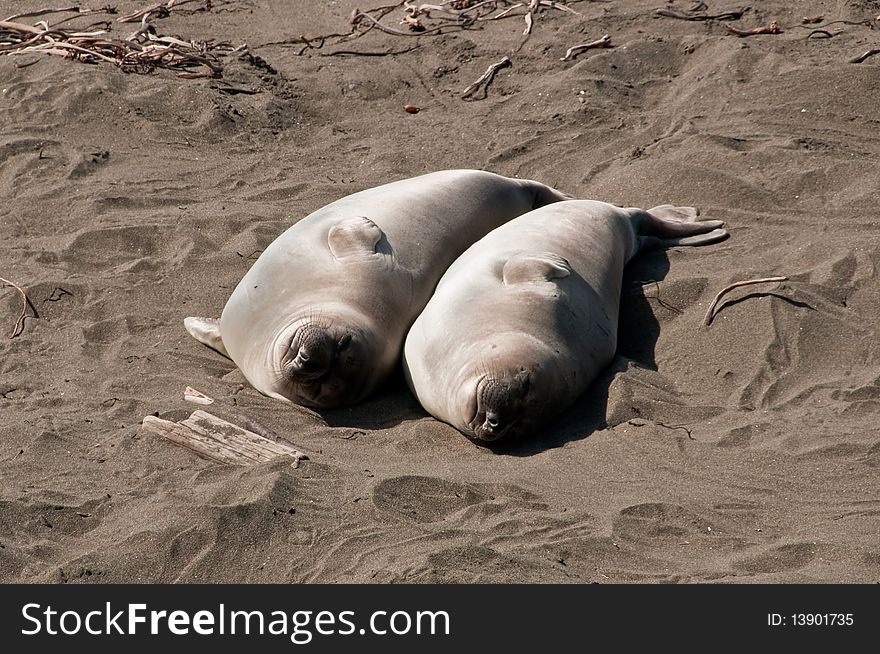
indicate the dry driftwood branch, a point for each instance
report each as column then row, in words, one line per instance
column 162, row 8
column 197, row 397
column 710, row 313
column 865, row 55
column 573, row 51
column 486, row 78
column 732, row 14
column 79, row 11
column 361, row 15
column 533, row 5
column 772, row 28
column 214, row 438
column 25, row 301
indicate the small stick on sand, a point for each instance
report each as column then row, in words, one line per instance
column 733, row 14
column 556, row 5
column 862, row 57
column 80, row 11
column 710, row 313
column 19, row 323
column 686, row 430
column 503, row 13
column 164, row 8
column 358, row 15
column 533, row 4
column 573, row 51
column 486, row 78
column 772, row 28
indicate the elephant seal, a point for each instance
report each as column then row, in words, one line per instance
column 524, row 320
column 320, row 317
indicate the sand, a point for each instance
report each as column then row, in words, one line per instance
column 746, row 451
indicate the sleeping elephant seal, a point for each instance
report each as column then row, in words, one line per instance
column 321, row 316
column 524, row 320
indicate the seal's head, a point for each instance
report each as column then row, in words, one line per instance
column 326, row 361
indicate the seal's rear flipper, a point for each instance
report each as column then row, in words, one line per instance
column 668, row 226
column 207, row 331
column 700, row 239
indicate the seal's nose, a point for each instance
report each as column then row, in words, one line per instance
column 492, row 421
column 312, row 359
column 308, row 360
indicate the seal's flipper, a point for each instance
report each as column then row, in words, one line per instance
column 668, row 226
column 699, row 239
column 540, row 267
column 354, row 237
column 669, row 212
column 207, row 331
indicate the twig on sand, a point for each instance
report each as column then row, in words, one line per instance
column 573, row 51
column 686, row 430
column 80, row 11
column 710, row 313
column 772, row 28
column 865, row 55
column 486, row 78
column 663, row 303
column 162, row 8
column 533, row 5
column 25, row 301
column 700, row 14
column 359, row 15
column 359, row 53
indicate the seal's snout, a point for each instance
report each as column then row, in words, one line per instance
column 310, row 354
column 499, row 403
column 493, row 427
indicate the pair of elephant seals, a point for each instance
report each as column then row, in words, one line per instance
column 321, row 316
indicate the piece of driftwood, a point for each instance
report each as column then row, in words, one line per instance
column 25, row 302
column 487, row 77
column 700, row 13
column 710, row 312
column 772, row 28
column 604, row 42
column 865, row 55
column 219, row 440
column 196, row 397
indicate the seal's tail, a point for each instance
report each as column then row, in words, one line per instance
column 668, row 226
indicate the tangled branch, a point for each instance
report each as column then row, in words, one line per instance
column 431, row 19
column 143, row 51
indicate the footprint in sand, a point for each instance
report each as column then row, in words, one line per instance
column 791, row 556
column 424, row 499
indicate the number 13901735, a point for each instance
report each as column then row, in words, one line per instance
column 810, row 620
